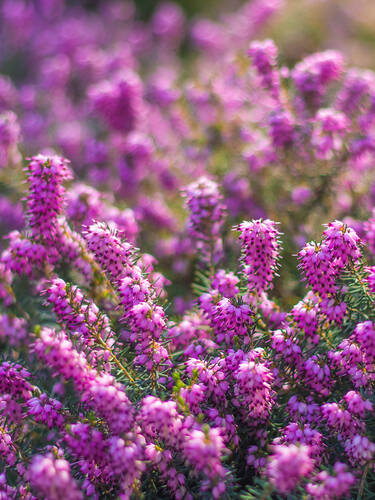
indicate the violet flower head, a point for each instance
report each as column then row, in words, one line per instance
column 45, row 198
column 288, row 465
column 282, row 128
column 253, row 389
column 112, row 254
column 206, row 217
column 51, row 478
column 264, row 56
column 358, row 86
column 119, row 101
column 226, row 283
column 9, row 137
column 168, row 23
column 322, row 263
column 330, row 127
column 204, row 449
column 343, row 243
column 337, row 485
column 260, row 247
column 312, row 75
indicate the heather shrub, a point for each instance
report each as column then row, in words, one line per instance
column 187, row 275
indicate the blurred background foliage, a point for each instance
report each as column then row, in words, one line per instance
column 301, row 26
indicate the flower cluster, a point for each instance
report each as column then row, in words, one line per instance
column 260, row 252
column 206, row 217
column 46, row 194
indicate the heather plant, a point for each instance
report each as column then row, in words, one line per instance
column 187, row 302
column 105, row 396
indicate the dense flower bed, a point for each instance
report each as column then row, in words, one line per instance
column 167, row 328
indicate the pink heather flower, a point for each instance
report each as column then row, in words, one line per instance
column 13, row 330
column 306, row 314
column 168, row 22
column 211, row 376
column 225, row 283
column 9, row 137
column 206, row 217
column 152, row 355
column 8, row 93
column 88, row 446
column 133, row 289
column 288, row 465
column 208, row 36
column 295, row 433
column 112, row 254
column 282, row 128
column 253, row 389
column 46, row 411
column 340, row 420
column 82, row 318
column 161, row 420
column 343, row 243
column 317, row 375
column 264, row 56
column 58, row 352
column 333, row 310
column 316, row 262
column 190, row 328
column 323, row 262
column 312, row 75
column 45, row 198
column 260, row 252
column 83, row 204
column 104, row 459
column 255, row 459
column 100, row 392
column 119, row 100
column 286, row 347
column 358, row 85
column 13, row 381
column 146, row 321
column 301, row 195
column 359, row 450
column 364, row 334
column 23, row 256
column 126, row 462
column 204, row 449
column 7, row 449
column 51, row 478
column 304, row 411
column 330, row 127
column 229, row 320
column 356, row 404
column 326, row 487
column 350, row 359
column 109, row 400
column 194, row 396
